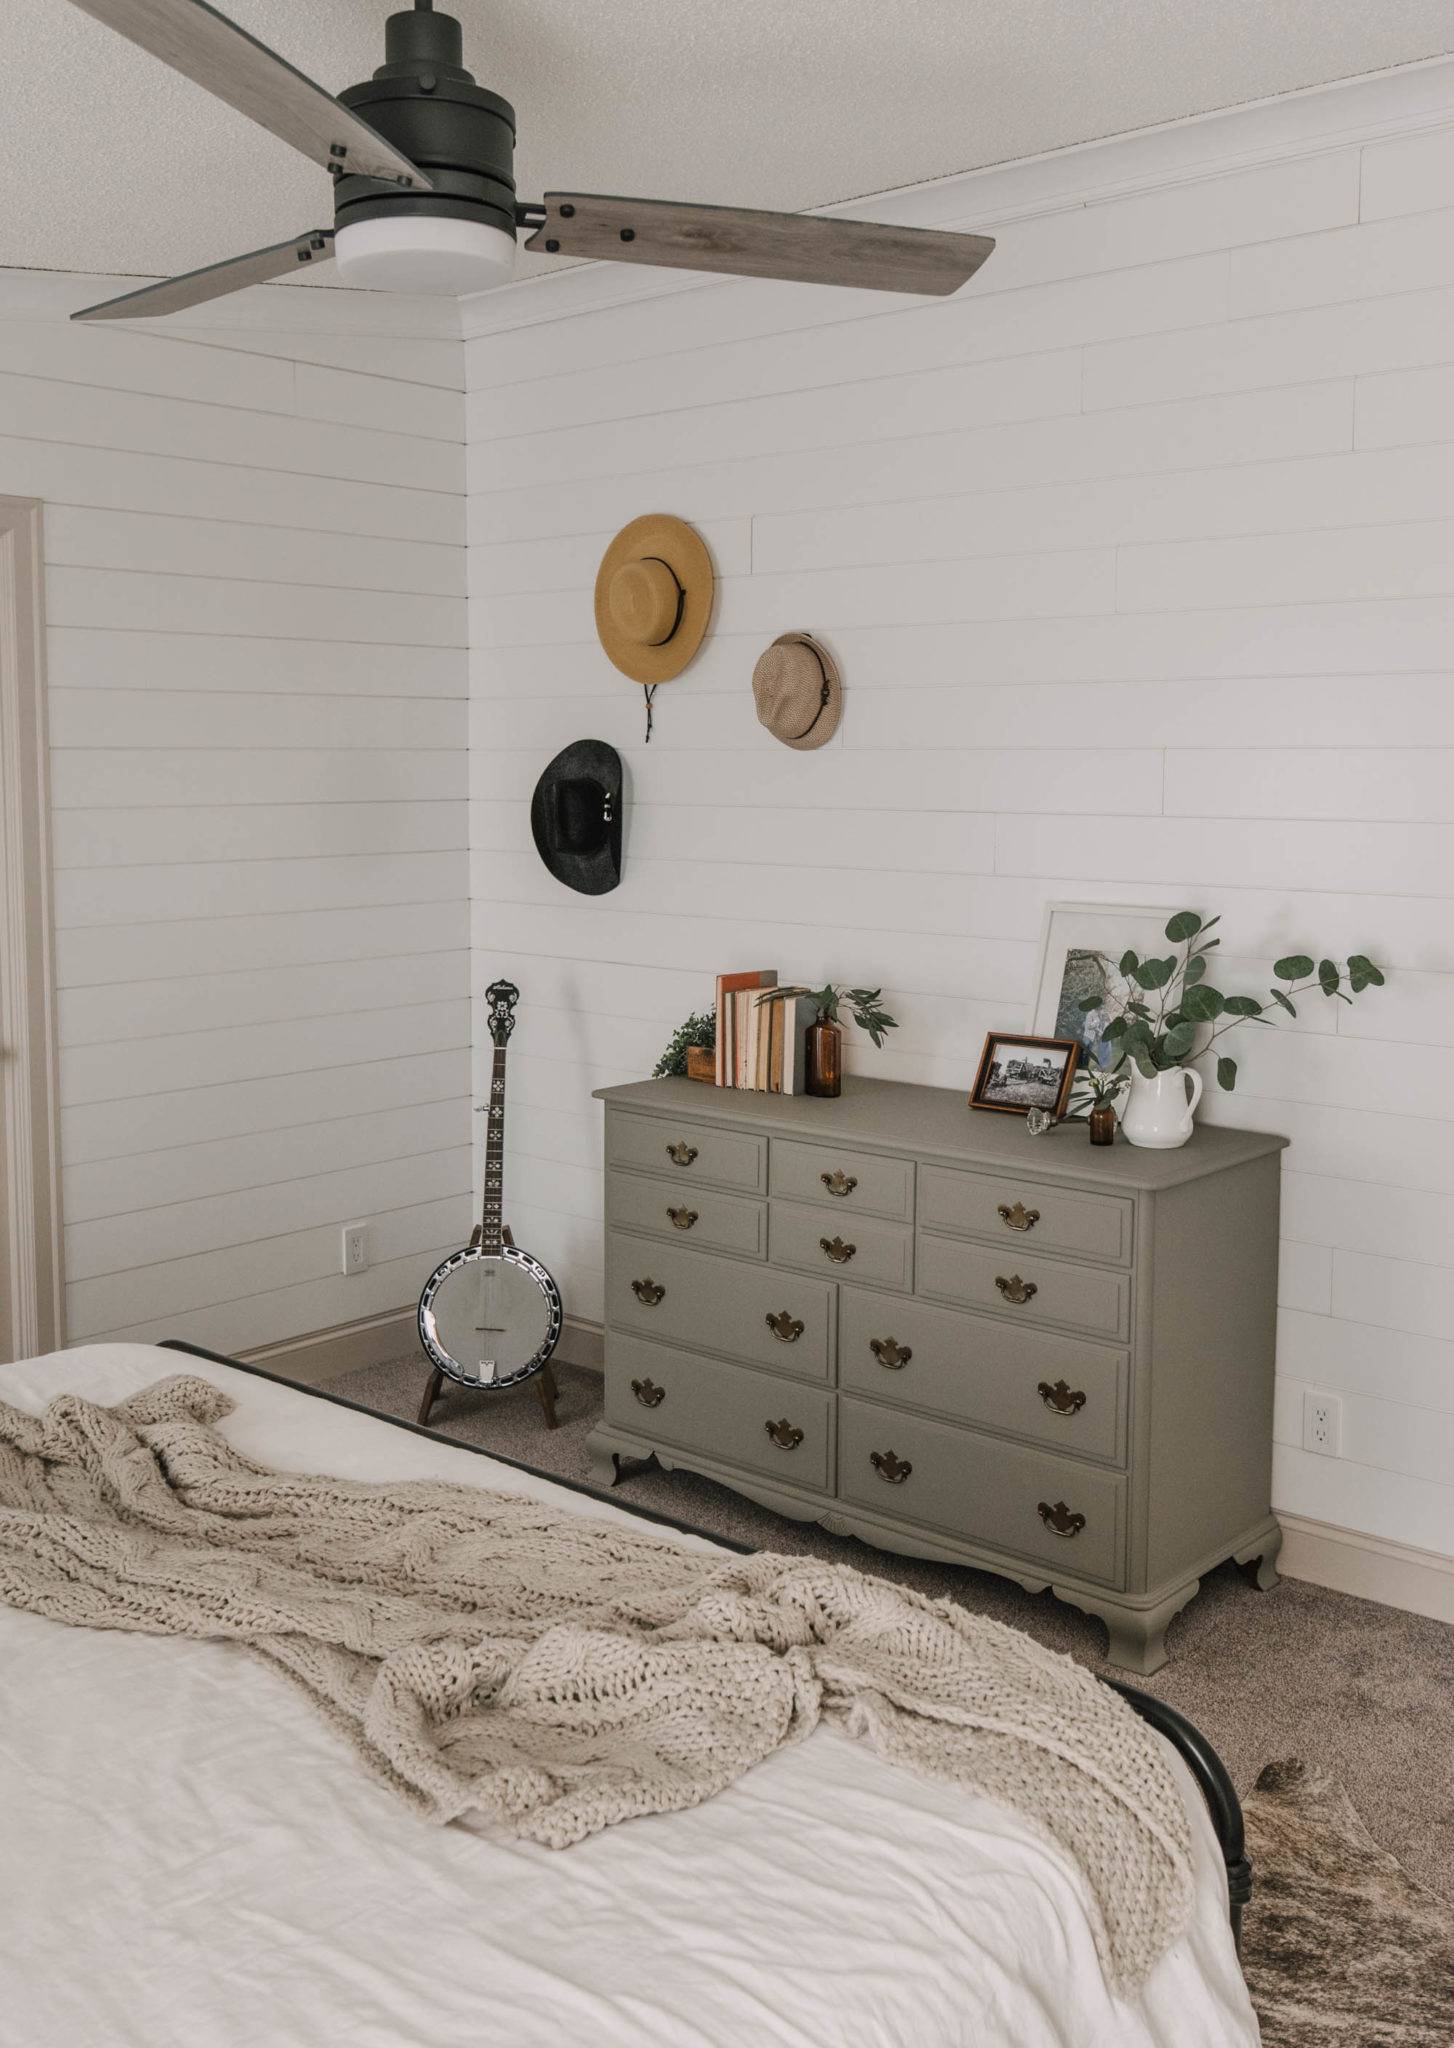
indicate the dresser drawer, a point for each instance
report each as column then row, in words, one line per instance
column 687, row 1152
column 1061, row 1391
column 713, row 1221
column 1025, row 1212
column 861, row 1247
column 726, row 1412
column 850, row 1182
column 1012, row 1281
column 982, row 1489
column 783, row 1321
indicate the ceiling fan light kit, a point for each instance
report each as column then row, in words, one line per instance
column 423, row 163
column 417, row 254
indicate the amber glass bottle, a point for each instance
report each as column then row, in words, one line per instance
column 1103, row 1124
column 824, row 1071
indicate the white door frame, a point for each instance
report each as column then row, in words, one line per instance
column 31, row 1298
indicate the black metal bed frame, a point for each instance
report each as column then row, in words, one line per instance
column 1206, row 1767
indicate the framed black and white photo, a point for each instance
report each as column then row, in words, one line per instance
column 1081, row 946
column 1018, row 1073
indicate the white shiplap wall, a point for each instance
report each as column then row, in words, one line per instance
column 255, row 580
column 1139, row 562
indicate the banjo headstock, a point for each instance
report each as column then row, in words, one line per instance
column 502, row 996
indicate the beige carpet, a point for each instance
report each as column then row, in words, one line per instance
column 1366, row 1692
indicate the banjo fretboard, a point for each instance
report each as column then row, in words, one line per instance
column 492, row 1214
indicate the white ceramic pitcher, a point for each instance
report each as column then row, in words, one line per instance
column 1159, row 1112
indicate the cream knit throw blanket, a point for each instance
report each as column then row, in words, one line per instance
column 557, row 1673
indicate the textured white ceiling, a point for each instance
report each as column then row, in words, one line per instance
column 112, row 163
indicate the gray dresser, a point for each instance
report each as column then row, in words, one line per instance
column 915, row 1323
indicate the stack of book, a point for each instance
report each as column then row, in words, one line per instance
column 760, row 1045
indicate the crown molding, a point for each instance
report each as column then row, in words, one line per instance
column 1347, row 114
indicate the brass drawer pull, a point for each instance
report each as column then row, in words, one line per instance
column 839, row 1252
column 682, row 1154
column 648, row 1393
column 1015, row 1289
column 1060, row 1399
column 682, row 1219
column 838, row 1183
column 1018, row 1218
column 888, row 1467
column 891, row 1356
column 1060, row 1521
column 647, row 1292
column 784, row 1435
column 786, row 1328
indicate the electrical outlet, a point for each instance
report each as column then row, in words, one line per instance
column 355, row 1258
column 1322, row 1424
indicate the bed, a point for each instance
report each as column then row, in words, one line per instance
column 191, row 1856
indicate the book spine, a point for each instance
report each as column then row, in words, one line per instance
column 803, row 1011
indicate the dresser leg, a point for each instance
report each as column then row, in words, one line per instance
column 1137, row 1636
column 614, row 1458
column 1259, row 1560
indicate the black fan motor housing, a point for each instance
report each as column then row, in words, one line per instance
column 423, row 100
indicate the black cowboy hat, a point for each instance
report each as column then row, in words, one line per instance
column 575, row 815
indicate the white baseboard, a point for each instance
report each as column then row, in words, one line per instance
column 324, row 1354
column 1348, row 1561
column 582, row 1344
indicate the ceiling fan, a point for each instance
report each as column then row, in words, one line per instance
column 422, row 160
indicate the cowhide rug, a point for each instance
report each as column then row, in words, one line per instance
column 1341, row 1948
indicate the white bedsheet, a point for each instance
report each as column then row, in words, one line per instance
column 189, row 1856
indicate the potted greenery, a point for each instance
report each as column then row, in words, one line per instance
column 1167, row 1001
column 824, row 1075
column 697, row 1035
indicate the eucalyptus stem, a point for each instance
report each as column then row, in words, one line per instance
column 1161, row 1035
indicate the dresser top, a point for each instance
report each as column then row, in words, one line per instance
column 938, row 1124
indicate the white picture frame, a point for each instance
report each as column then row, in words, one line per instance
column 1104, row 929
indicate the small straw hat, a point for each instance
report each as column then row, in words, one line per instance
column 654, row 597
column 798, row 691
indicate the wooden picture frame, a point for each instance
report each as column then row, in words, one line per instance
column 1065, row 1053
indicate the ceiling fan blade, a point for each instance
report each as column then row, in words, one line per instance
column 215, row 53
column 195, row 287
column 802, row 247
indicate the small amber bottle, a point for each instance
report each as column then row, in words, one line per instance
column 824, row 1071
column 1103, row 1124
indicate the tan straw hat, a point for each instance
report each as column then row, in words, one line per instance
column 654, row 597
column 799, row 696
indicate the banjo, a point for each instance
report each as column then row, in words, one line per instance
column 490, row 1316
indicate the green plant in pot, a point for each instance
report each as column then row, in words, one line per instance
column 824, row 1074
column 1168, row 1002
column 699, row 1030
